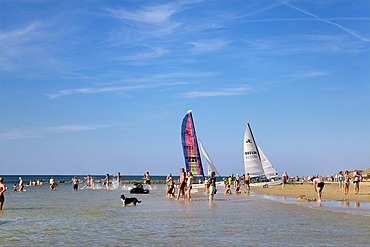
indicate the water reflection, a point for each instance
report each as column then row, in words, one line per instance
column 343, row 206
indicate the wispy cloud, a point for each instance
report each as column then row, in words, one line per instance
column 345, row 29
column 156, row 81
column 209, row 45
column 223, row 92
column 154, row 53
column 154, row 15
column 308, row 74
column 18, row 43
column 305, row 44
column 27, row 133
column 95, row 90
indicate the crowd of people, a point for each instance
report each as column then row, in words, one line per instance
column 343, row 180
column 185, row 183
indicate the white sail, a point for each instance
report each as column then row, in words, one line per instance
column 252, row 160
column 211, row 167
column 268, row 168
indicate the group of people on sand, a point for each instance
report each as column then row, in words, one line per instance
column 185, row 185
column 343, row 179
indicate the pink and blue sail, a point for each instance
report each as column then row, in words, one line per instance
column 193, row 162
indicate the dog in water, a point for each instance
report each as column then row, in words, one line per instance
column 126, row 200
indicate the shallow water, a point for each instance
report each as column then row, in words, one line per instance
column 40, row 217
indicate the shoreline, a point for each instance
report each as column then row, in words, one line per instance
column 305, row 192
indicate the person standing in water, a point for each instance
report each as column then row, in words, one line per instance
column 147, row 180
column 189, row 182
column 247, row 182
column 75, row 183
column 21, row 185
column 2, row 190
column 182, row 181
column 106, row 180
column 170, row 186
column 318, row 184
column 118, row 178
column 212, row 186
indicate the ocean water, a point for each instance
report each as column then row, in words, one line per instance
column 96, row 217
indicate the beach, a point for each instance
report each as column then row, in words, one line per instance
column 302, row 191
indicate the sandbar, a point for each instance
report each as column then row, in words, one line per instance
column 306, row 192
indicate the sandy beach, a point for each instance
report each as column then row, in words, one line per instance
column 305, row 191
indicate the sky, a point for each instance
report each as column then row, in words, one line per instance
column 102, row 86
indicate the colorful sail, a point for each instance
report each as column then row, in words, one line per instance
column 252, row 159
column 193, row 161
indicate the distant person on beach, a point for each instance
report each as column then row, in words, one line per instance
column 2, row 190
column 346, row 182
column 212, row 186
column 182, row 184
column 318, row 184
column 284, row 177
column 341, row 180
column 189, row 183
column 20, row 185
column 356, row 181
column 247, row 182
column 75, row 183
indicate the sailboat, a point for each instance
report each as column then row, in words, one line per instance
column 255, row 161
column 193, row 162
column 190, row 145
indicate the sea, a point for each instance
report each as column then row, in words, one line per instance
column 96, row 217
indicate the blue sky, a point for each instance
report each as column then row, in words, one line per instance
column 102, row 86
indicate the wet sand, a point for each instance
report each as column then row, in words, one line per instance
column 306, row 192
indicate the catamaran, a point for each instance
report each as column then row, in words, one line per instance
column 193, row 161
column 255, row 161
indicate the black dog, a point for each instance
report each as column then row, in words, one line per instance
column 127, row 201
